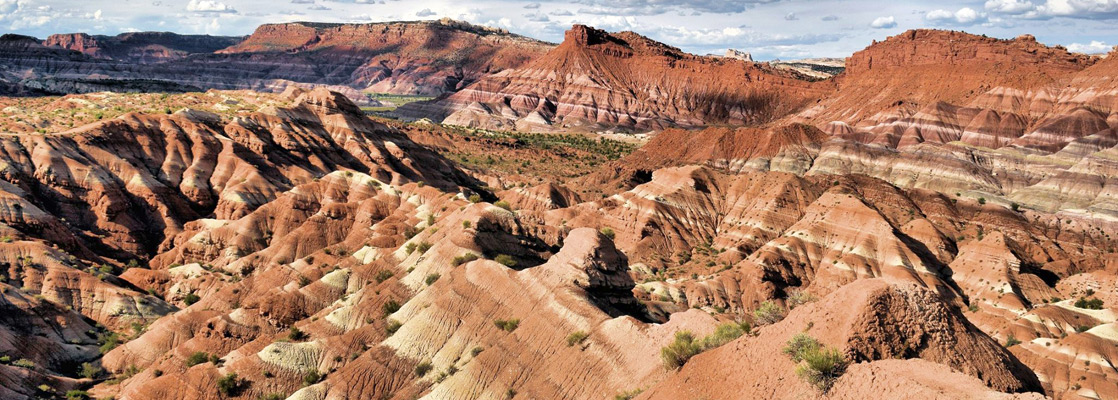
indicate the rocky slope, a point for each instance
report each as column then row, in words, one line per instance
column 597, row 80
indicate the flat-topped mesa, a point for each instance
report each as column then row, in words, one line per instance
column 936, row 47
column 300, row 36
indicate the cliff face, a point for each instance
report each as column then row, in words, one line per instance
column 596, row 80
column 140, row 47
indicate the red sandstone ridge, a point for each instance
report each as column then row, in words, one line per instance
column 140, row 47
column 597, row 80
column 400, row 57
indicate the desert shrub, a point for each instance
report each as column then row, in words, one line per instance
column 576, row 338
column 108, row 341
column 296, row 335
column 799, row 345
column 411, row 231
column 608, row 232
column 89, row 371
column 431, row 220
column 465, row 258
column 311, row 377
column 157, row 373
column 475, row 198
column 77, row 395
column 466, row 224
column 507, row 325
column 423, row 247
column 392, row 326
column 273, row 396
column 628, row 395
column 506, row 260
column 476, row 350
column 423, row 368
column 190, row 299
column 503, row 204
column 1011, row 341
column 390, row 306
column 230, row 384
column 1082, row 328
column 798, row 298
column 383, row 275
column 981, row 200
column 821, row 366
column 24, row 363
column 1089, row 304
column 724, row 334
column 680, row 350
column 432, row 278
column 409, row 248
column 196, row 358
column 768, row 313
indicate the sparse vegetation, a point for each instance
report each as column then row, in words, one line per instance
column 799, row 297
column 503, row 204
column 628, row 395
column 391, row 326
column 198, row 357
column 383, row 275
column 432, row 278
column 89, row 371
column 422, row 368
column 507, row 325
column 230, row 384
column 190, row 299
column 506, row 260
column 798, row 345
column 24, row 363
column 311, row 377
column 686, row 345
column 821, row 366
column 423, row 247
column 576, row 337
column 608, row 232
column 1089, row 304
column 768, row 313
column 465, row 258
column 390, row 306
column 1011, row 341
column 296, row 335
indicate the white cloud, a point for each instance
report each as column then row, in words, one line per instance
column 532, row 6
column 1013, row 7
column 8, row 6
column 790, row 17
column 426, row 12
column 209, row 6
column 1094, row 47
column 965, row 16
column 884, row 23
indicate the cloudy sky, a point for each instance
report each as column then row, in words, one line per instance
column 768, row 28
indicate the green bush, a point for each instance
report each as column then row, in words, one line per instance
column 506, row 260
column 230, row 384
column 768, row 313
column 311, row 377
column 475, row 198
column 608, row 232
column 1011, row 341
column 77, row 395
column 190, row 299
column 273, row 396
column 196, row 358
column 432, row 278
column 89, row 371
column 466, row 224
column 799, row 345
column 503, row 204
column 392, row 326
column 507, row 325
column 476, row 350
column 390, row 306
column 409, row 248
column 383, row 275
column 422, row 369
column 24, row 363
column 724, row 334
column 576, row 338
column 680, row 350
column 465, row 258
column 628, row 395
column 296, row 335
column 423, row 247
column 1089, row 304
column 821, row 367
column 108, row 341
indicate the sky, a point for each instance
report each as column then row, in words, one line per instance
column 769, row 29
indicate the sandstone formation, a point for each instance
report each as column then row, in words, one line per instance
column 598, row 80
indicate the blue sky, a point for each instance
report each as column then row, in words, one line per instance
column 768, row 28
